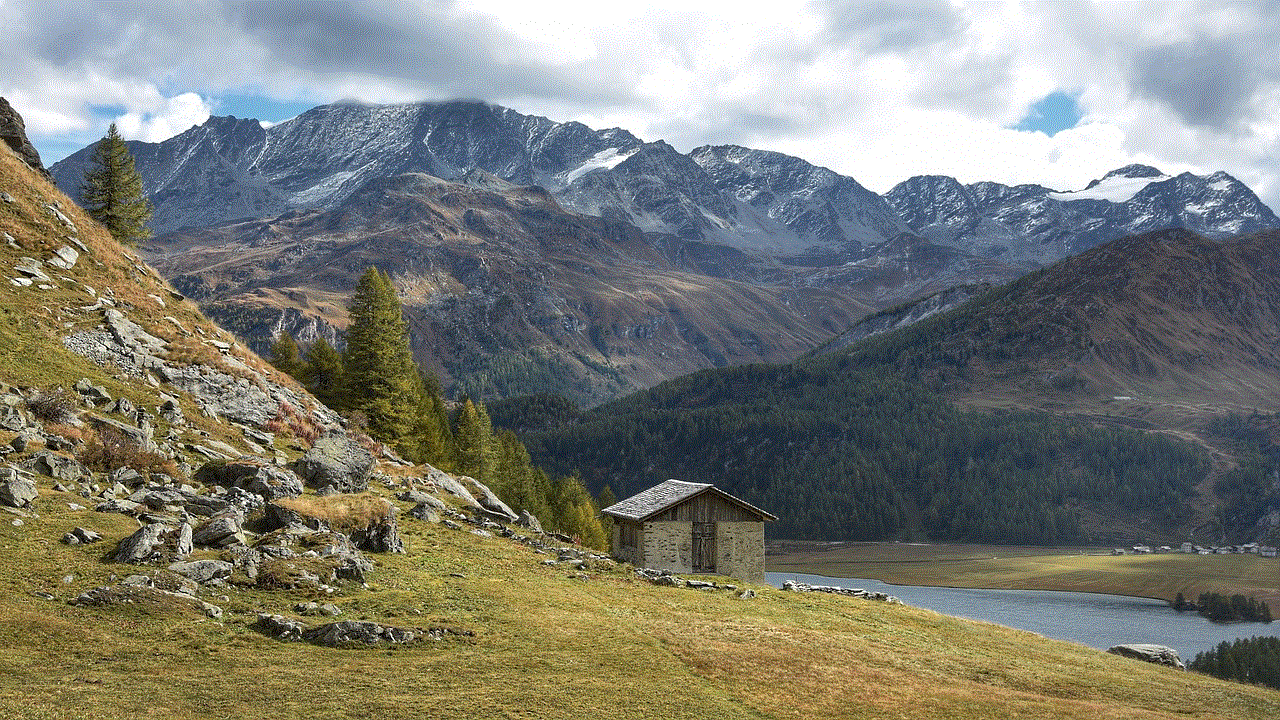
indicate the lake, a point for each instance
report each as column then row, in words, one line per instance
column 1091, row 619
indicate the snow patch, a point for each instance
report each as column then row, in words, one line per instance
column 323, row 189
column 606, row 159
column 1221, row 185
column 1114, row 189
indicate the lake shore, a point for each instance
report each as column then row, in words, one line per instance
column 1072, row 569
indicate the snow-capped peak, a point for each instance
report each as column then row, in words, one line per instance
column 1117, row 186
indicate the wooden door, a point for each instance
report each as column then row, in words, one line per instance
column 704, row 547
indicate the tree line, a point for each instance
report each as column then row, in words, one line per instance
column 377, row 385
column 841, row 451
column 1252, row 660
column 1221, row 608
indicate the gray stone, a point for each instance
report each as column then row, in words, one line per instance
column 489, row 501
column 64, row 257
column 132, row 336
column 27, row 439
column 279, row 627
column 425, row 512
column 268, row 481
column 218, row 532
column 17, row 488
column 446, row 482
column 183, row 545
column 746, row 594
column 81, row 536
column 145, row 545
column 1158, row 654
column 171, row 411
column 57, row 466
column 13, row 132
column 382, row 535
column 13, row 418
column 33, row 269
column 529, row 520
column 335, row 461
column 203, row 571
column 355, row 632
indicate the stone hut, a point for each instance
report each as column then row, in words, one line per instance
column 689, row 527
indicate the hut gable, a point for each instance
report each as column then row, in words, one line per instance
column 667, row 496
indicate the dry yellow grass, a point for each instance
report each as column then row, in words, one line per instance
column 340, row 512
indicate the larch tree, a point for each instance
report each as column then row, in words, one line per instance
column 112, row 191
column 322, row 373
column 286, row 356
column 380, row 377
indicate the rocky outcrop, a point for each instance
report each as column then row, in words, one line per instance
column 254, row 475
column 381, row 534
column 13, row 131
column 1158, row 654
column 794, row 586
column 17, row 488
column 154, row 542
column 335, row 464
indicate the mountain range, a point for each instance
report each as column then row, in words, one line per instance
column 814, row 249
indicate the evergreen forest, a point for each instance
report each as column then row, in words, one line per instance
column 843, row 451
column 1251, row 660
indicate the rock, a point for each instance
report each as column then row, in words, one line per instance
column 699, row 584
column 445, row 482
column 171, row 411
column 28, row 438
column 529, row 520
column 490, row 501
column 747, row 594
column 382, row 535
column 122, row 405
column 1158, row 654
column 355, row 632
column 17, row 488
column 267, row 481
column 335, row 461
column 33, row 269
column 81, row 536
column 56, row 466
column 425, row 512
column 64, row 257
column 142, row 592
column 218, row 532
column 13, row 418
column 13, row 131
column 419, row 497
column 279, row 627
column 132, row 336
column 203, row 571
column 154, row 542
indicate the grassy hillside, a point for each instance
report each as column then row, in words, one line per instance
column 547, row 641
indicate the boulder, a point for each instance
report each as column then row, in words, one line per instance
column 489, row 501
column 59, row 467
column 529, row 520
column 13, row 131
column 355, row 632
column 1158, row 654
column 17, row 488
column 203, row 571
column 335, row 463
column 154, row 542
column 425, row 512
column 382, row 535
column 219, row 532
column 81, row 536
column 268, row 481
column 95, row 394
column 279, row 627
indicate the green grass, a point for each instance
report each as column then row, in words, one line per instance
column 1027, row 568
column 548, row 645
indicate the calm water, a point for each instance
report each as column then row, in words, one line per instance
column 1091, row 619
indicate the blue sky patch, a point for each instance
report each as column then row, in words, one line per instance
column 258, row 107
column 1052, row 114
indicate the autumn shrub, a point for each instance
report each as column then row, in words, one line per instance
column 290, row 420
column 54, row 405
column 109, row 448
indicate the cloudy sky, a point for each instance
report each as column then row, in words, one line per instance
column 1054, row 92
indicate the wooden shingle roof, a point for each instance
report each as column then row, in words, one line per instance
column 644, row 505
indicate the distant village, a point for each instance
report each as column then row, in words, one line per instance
column 1190, row 549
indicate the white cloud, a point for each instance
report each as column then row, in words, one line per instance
column 875, row 89
column 164, row 119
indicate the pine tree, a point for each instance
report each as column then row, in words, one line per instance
column 475, row 453
column 381, row 378
column 286, row 357
column 434, row 441
column 323, row 375
column 112, row 191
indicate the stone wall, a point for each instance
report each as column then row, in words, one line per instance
column 740, row 550
column 668, row 546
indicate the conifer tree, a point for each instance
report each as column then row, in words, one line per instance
column 286, row 357
column 322, row 374
column 380, row 377
column 474, row 451
column 434, row 441
column 112, row 191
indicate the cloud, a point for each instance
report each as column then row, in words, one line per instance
column 169, row 117
column 878, row 90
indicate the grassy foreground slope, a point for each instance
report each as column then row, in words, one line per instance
column 548, row 643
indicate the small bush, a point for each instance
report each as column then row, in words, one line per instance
column 52, row 406
column 289, row 419
column 109, row 449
